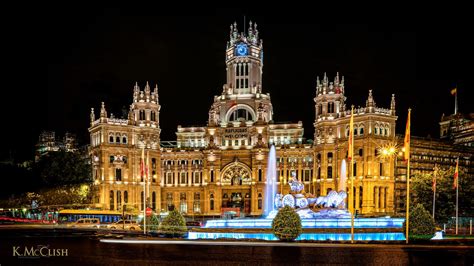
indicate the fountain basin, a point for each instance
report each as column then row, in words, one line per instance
column 304, row 236
column 311, row 223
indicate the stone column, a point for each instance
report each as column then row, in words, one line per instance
column 376, row 199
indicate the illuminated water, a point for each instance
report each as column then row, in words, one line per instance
column 305, row 236
column 270, row 188
column 343, row 179
column 311, row 223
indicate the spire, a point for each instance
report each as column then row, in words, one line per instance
column 336, row 79
column 92, row 115
column 130, row 113
column 392, row 104
column 136, row 92
column 155, row 92
column 370, row 100
column 103, row 113
column 250, row 29
column 325, row 78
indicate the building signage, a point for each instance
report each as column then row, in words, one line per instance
column 236, row 133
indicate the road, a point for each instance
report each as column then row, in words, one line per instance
column 85, row 248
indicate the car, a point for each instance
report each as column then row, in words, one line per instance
column 193, row 224
column 124, row 225
column 85, row 223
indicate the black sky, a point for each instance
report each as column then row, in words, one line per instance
column 63, row 62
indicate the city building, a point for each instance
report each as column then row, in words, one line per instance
column 220, row 167
column 48, row 142
column 456, row 141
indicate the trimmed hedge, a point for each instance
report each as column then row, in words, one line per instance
column 174, row 224
column 287, row 224
column 422, row 225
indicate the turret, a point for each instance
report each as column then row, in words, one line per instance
column 392, row 104
column 92, row 116
column 103, row 113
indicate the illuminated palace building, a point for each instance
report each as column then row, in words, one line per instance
column 222, row 166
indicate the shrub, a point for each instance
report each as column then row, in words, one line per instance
column 287, row 224
column 421, row 222
column 174, row 224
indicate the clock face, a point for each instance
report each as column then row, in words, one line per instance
column 241, row 49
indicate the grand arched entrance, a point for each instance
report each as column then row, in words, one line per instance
column 236, row 181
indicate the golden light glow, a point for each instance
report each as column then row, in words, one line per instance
column 388, row 150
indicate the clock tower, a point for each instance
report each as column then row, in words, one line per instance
column 244, row 61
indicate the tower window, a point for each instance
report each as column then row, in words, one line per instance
column 330, row 107
column 238, row 70
column 329, row 172
column 237, row 83
column 246, row 69
column 246, row 83
column 118, row 174
column 111, row 139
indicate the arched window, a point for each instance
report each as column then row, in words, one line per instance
column 124, row 139
column 211, row 202
column 112, row 205
column 169, row 200
column 241, row 115
column 125, row 197
column 111, row 138
column 117, row 139
column 329, row 157
column 376, row 130
column 119, row 200
column 153, row 200
column 247, row 69
column 259, row 201
column 197, row 202
column 329, row 172
column 259, row 175
column 142, row 115
column 361, row 192
column 361, row 131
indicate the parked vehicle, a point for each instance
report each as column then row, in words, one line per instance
column 124, row 225
column 193, row 224
column 85, row 223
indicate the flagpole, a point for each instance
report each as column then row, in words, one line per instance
column 457, row 193
column 456, row 101
column 144, row 191
column 352, row 176
column 407, row 218
column 434, row 190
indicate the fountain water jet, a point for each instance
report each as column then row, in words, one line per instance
column 343, row 179
column 270, row 188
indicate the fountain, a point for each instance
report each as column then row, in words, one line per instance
column 270, row 188
column 316, row 212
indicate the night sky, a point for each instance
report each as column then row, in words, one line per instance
column 63, row 62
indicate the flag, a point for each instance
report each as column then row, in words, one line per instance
column 456, row 173
column 454, row 91
column 351, row 136
column 407, row 137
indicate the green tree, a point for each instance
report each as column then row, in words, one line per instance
column 287, row 224
column 61, row 168
column 422, row 193
column 173, row 224
column 421, row 222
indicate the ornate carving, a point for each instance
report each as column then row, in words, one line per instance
column 236, row 174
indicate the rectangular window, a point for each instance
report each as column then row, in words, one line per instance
column 118, row 174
